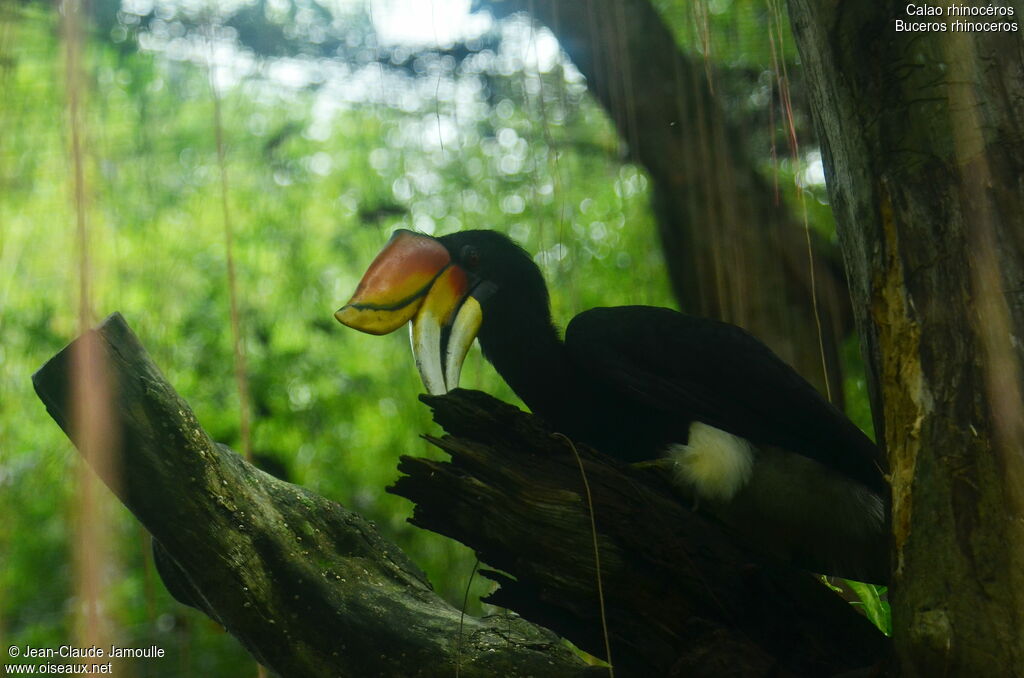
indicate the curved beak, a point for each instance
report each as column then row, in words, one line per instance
column 414, row 279
column 396, row 283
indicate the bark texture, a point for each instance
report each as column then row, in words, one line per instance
column 683, row 595
column 733, row 249
column 308, row 587
column 923, row 141
column 311, row 589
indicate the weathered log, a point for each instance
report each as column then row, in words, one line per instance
column 680, row 593
column 311, row 589
column 308, row 587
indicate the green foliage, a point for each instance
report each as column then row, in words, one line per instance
column 731, row 32
column 312, row 196
column 874, row 603
column 318, row 173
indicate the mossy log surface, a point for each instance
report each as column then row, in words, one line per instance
column 309, row 587
column 312, row 589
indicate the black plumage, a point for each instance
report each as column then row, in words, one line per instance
column 630, row 380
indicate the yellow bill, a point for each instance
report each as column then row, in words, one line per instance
column 413, row 278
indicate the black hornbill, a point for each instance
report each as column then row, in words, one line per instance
column 749, row 437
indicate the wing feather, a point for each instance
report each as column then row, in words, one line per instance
column 719, row 374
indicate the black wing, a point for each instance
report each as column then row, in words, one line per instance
column 719, row 374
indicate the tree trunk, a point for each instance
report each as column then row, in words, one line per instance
column 311, row 589
column 923, row 140
column 732, row 248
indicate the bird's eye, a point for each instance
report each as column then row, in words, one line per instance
column 470, row 257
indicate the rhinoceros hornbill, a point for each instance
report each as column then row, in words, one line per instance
column 747, row 434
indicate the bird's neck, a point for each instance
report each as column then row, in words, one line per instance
column 527, row 352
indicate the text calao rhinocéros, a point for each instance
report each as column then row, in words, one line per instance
column 956, row 10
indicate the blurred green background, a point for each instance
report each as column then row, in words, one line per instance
column 341, row 122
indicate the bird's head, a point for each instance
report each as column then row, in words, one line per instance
column 450, row 288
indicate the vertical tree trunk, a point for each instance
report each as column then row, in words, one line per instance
column 732, row 248
column 922, row 139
